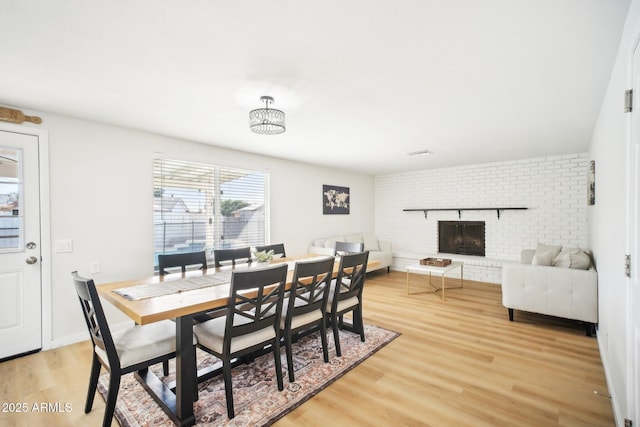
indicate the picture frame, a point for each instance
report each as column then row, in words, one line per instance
column 336, row 200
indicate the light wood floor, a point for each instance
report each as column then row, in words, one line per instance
column 457, row 363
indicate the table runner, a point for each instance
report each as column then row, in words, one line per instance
column 149, row 290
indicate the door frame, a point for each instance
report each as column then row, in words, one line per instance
column 46, row 326
column 632, row 368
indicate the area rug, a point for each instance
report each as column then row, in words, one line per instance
column 257, row 400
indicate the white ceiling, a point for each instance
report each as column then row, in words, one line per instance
column 362, row 82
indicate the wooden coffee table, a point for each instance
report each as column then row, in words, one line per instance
column 432, row 269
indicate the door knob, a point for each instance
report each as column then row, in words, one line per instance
column 32, row 260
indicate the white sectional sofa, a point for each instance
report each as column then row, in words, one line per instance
column 379, row 250
column 557, row 282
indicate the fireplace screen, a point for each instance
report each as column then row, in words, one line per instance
column 461, row 237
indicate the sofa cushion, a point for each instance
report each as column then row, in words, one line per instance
column 543, row 258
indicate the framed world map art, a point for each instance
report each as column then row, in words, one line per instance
column 335, row 200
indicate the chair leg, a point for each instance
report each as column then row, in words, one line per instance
column 511, row 314
column 93, row 383
column 357, row 318
column 226, row 373
column 276, row 357
column 323, row 337
column 112, row 396
column 165, row 368
column 288, row 346
column 336, row 335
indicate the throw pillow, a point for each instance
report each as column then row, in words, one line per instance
column 542, row 248
column 331, row 242
column 371, row 243
column 580, row 260
column 544, row 258
column 354, row 238
column 563, row 259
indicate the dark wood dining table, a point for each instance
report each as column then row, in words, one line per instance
column 181, row 306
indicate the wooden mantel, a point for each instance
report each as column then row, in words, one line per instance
column 426, row 210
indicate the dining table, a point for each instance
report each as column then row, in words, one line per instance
column 181, row 296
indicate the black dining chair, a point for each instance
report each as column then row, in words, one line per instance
column 184, row 260
column 251, row 323
column 305, row 304
column 181, row 260
column 121, row 353
column 346, row 295
column 343, row 248
column 278, row 249
column 231, row 256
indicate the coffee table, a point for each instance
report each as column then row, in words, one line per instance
column 432, row 269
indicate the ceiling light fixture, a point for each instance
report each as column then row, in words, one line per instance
column 420, row 153
column 266, row 121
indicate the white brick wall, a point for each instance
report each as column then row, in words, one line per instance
column 554, row 189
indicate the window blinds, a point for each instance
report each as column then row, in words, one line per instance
column 204, row 207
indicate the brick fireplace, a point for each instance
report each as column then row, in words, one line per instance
column 553, row 189
column 461, row 237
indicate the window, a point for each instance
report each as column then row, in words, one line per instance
column 11, row 218
column 189, row 217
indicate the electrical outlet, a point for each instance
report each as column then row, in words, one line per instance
column 94, row 267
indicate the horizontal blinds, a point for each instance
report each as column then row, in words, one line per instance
column 203, row 207
column 243, row 206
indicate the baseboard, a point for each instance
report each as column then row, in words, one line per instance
column 617, row 412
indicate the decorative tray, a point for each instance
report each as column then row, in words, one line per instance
column 437, row 262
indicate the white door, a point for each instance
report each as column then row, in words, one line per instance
column 633, row 302
column 20, row 256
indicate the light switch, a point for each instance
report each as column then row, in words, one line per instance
column 94, row 267
column 63, row 245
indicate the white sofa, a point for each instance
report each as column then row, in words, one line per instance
column 379, row 250
column 555, row 288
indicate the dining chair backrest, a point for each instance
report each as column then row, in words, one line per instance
column 95, row 318
column 278, row 249
column 309, row 288
column 232, row 255
column 132, row 349
column 181, row 260
column 351, row 275
column 255, row 302
column 344, row 248
column 346, row 295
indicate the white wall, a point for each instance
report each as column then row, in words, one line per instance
column 101, row 198
column 554, row 189
column 608, row 232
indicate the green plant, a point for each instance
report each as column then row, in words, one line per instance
column 264, row 256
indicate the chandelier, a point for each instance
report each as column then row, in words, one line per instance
column 266, row 121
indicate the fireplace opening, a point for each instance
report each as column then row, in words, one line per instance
column 461, row 237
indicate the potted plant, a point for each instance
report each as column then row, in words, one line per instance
column 264, row 257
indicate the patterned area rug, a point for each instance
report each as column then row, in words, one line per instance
column 258, row 402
